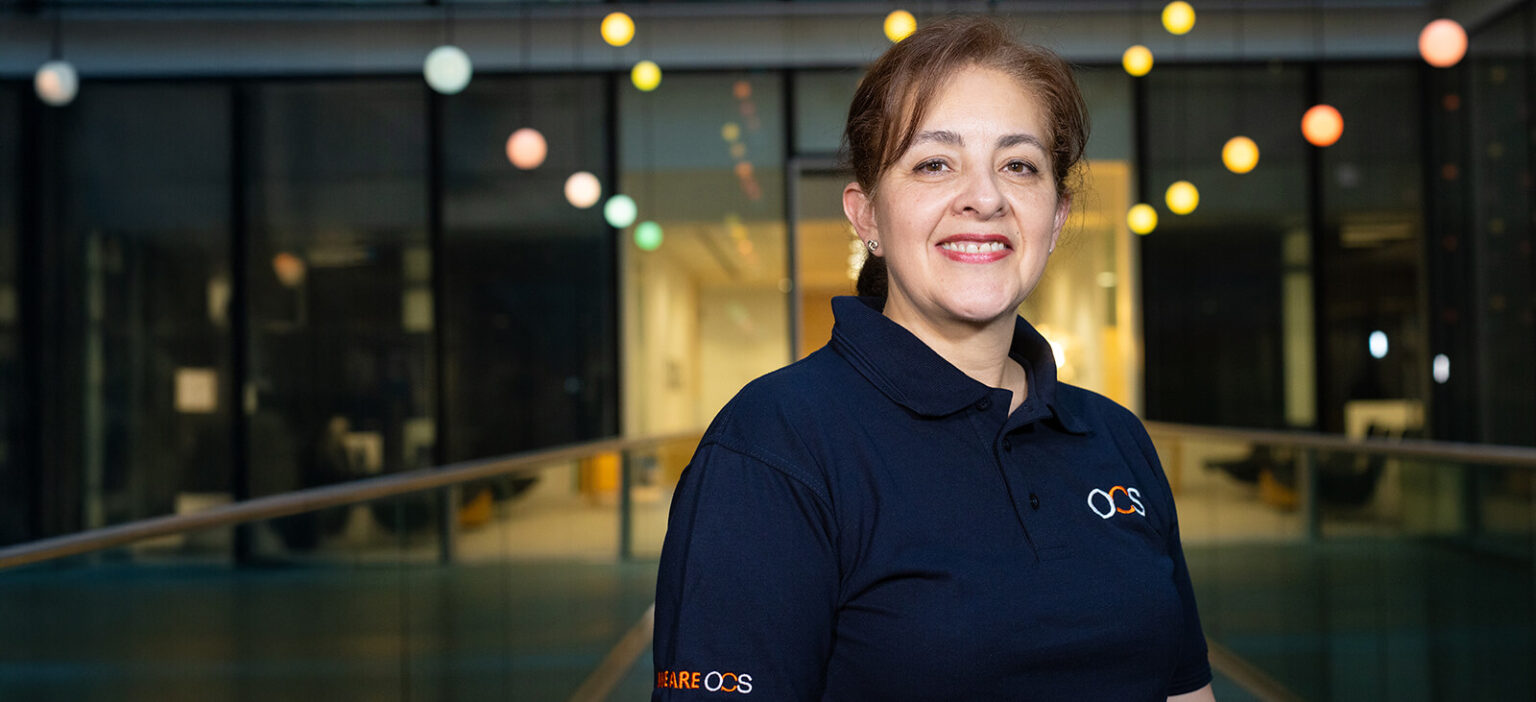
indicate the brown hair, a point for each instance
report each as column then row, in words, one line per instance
column 894, row 95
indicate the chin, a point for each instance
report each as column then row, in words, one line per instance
column 983, row 310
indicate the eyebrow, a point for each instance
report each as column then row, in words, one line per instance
column 947, row 137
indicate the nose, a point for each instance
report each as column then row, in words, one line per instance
column 981, row 197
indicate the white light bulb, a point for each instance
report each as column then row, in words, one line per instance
column 1441, row 368
column 56, row 83
column 620, row 211
column 582, row 189
column 1378, row 344
column 447, row 69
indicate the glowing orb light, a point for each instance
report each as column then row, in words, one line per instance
column 447, row 69
column 56, row 83
column 1322, row 125
column 1442, row 43
column 1137, row 60
column 1178, row 17
column 899, row 25
column 646, row 75
column 1441, row 368
column 1240, row 154
column 1182, row 197
column 620, row 211
column 618, row 29
column 1141, row 218
column 648, row 236
column 582, row 190
column 1378, row 344
column 526, row 148
column 730, row 132
column 289, row 269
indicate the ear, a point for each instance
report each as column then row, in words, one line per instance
column 860, row 211
column 1063, row 208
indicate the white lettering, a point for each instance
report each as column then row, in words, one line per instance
column 1109, row 504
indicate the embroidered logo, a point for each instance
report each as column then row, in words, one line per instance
column 1105, row 504
column 713, row 681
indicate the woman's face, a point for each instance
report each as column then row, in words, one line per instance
column 967, row 217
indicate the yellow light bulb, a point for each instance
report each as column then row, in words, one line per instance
column 1240, row 154
column 618, row 29
column 1137, row 60
column 1178, row 17
column 1141, row 218
column 1322, row 125
column 899, row 25
column 1182, row 197
column 646, row 75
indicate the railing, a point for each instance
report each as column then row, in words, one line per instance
column 341, row 592
column 1344, row 569
column 1326, row 568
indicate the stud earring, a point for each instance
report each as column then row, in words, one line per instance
column 873, row 245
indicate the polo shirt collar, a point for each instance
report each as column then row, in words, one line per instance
column 915, row 377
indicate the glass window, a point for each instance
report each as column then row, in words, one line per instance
column 146, row 201
column 341, row 375
column 15, row 494
column 531, row 302
column 1227, row 288
column 821, row 109
column 706, row 302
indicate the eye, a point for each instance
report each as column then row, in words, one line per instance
column 1021, row 167
column 932, row 165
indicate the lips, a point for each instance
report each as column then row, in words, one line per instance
column 975, row 248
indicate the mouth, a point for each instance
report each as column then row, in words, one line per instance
column 975, row 248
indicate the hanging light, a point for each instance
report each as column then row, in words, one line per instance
column 582, row 190
column 56, row 83
column 526, row 148
column 646, row 75
column 1322, row 125
column 1178, row 17
column 648, row 236
column 1377, row 344
column 1182, row 197
column 1442, row 43
column 1441, row 368
column 899, row 25
column 1240, row 154
column 448, row 69
column 1141, row 218
column 1137, row 60
column 618, row 29
column 620, row 211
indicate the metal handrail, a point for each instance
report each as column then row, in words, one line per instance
column 316, row 498
column 1482, row 454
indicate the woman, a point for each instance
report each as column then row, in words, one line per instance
column 919, row 510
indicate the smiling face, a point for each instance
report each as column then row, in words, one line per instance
column 968, row 215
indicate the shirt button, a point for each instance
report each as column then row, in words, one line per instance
column 984, row 404
column 1007, row 445
column 1034, row 501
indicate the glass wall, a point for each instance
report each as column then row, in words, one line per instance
column 706, row 303
column 341, row 365
column 145, row 179
column 14, row 508
column 1227, row 288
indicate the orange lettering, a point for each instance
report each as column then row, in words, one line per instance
column 693, row 683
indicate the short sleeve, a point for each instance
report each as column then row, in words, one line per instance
column 748, row 583
column 1194, row 667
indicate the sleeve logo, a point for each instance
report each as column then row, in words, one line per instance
column 713, row 681
column 1106, row 505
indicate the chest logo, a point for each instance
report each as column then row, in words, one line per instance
column 1106, row 504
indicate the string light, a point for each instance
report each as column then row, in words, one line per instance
column 1182, row 197
column 648, row 236
column 526, row 148
column 56, row 83
column 1137, row 60
column 646, row 75
column 899, row 24
column 1443, row 43
column 1178, row 17
column 583, row 190
column 1322, row 125
column 448, row 69
column 1141, row 218
column 620, row 211
column 617, row 29
column 1240, row 154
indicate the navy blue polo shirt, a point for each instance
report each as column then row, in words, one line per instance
column 870, row 523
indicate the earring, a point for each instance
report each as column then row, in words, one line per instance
column 873, row 245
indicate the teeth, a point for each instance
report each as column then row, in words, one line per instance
column 973, row 246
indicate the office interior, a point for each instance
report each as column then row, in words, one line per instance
column 262, row 248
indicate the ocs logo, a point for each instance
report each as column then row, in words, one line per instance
column 713, row 681
column 1105, row 505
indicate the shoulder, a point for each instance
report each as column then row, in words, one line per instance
column 1110, row 421
column 780, row 418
